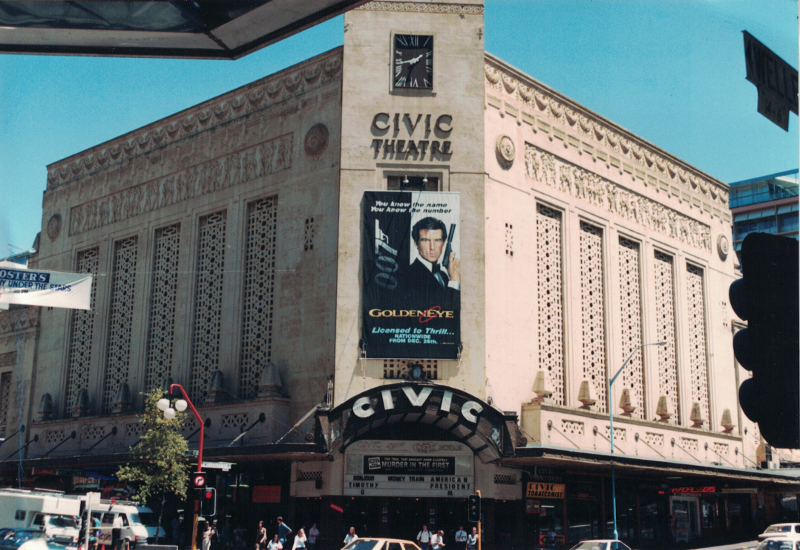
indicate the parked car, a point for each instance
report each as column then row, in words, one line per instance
column 781, row 530
column 370, row 543
column 601, row 544
column 779, row 544
column 12, row 539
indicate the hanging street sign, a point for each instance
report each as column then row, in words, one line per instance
column 775, row 79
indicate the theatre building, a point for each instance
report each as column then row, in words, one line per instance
column 391, row 276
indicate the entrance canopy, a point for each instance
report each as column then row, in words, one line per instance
column 207, row 29
column 447, row 413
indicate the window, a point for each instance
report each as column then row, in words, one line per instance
column 412, row 183
column 19, row 515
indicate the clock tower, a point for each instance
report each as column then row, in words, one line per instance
column 412, row 110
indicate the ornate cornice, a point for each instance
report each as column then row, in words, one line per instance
column 423, row 7
column 19, row 319
column 267, row 158
column 648, row 162
column 546, row 168
column 228, row 107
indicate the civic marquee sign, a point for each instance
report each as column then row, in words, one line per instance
column 409, row 468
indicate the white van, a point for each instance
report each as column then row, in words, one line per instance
column 55, row 514
column 139, row 524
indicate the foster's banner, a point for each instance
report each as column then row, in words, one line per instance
column 36, row 287
column 411, row 275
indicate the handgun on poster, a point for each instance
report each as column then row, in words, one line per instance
column 449, row 248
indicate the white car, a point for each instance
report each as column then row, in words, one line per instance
column 779, row 544
column 601, row 544
column 781, row 531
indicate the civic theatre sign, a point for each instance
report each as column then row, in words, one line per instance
column 412, row 136
column 408, row 468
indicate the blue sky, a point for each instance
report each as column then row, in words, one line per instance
column 671, row 71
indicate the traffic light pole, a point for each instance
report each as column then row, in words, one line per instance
column 199, row 457
column 480, row 534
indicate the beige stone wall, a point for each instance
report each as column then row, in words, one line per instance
column 457, row 28
column 18, row 332
column 276, row 141
column 541, row 148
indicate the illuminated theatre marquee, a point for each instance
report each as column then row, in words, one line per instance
column 469, row 410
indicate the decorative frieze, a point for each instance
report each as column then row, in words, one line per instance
column 228, row 108
column 19, row 319
column 423, row 7
column 267, row 158
column 544, row 167
column 542, row 102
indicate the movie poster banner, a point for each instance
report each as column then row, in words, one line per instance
column 411, row 295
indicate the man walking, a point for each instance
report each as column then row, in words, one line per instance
column 283, row 531
column 424, row 538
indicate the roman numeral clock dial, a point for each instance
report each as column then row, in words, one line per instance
column 413, row 61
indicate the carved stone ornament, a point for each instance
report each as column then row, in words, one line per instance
column 504, row 147
column 723, row 246
column 316, row 140
column 54, row 226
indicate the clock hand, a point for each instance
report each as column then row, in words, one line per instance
column 412, row 61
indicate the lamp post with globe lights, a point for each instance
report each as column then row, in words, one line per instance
column 165, row 405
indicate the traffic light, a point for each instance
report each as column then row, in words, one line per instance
column 474, row 508
column 208, row 501
column 767, row 298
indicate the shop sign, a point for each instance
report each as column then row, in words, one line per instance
column 267, row 493
column 533, row 506
column 544, row 474
column 689, row 490
column 739, row 491
column 545, row 490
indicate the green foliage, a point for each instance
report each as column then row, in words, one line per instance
column 160, row 466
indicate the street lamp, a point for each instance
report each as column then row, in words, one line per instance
column 164, row 404
column 611, row 428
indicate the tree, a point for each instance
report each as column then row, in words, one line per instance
column 160, row 466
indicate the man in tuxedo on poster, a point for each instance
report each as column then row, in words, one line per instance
column 429, row 283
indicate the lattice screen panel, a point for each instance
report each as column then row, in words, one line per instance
column 665, row 329
column 631, row 317
column 5, row 400
column 593, row 329
column 208, row 303
column 698, row 364
column 397, row 368
column 259, row 293
column 163, row 298
column 308, row 235
column 120, row 322
column 550, row 298
column 81, row 338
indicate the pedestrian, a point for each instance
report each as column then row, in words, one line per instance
column 261, row 536
column 283, row 531
column 214, row 535
column 207, row 536
column 300, row 540
column 225, row 534
column 313, row 533
column 275, row 543
column 472, row 539
column 116, row 531
column 461, row 538
column 424, row 538
column 437, row 541
column 351, row 536
column 175, row 527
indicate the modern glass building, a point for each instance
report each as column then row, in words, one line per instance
column 767, row 204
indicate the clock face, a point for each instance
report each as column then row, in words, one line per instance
column 413, row 61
